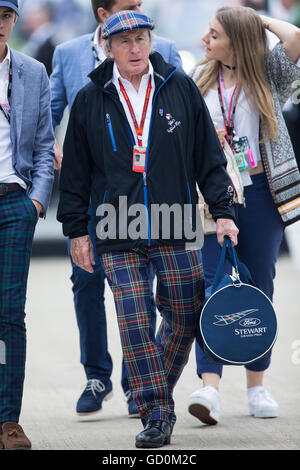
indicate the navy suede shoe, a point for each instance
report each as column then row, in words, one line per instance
column 90, row 401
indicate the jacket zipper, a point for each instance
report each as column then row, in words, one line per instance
column 111, row 133
column 102, row 211
column 145, row 172
column 190, row 199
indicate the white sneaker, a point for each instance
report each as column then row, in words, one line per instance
column 204, row 405
column 261, row 404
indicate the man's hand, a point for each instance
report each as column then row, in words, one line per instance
column 82, row 253
column 226, row 227
column 221, row 134
column 58, row 157
column 38, row 206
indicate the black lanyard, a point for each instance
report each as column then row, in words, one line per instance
column 97, row 58
column 5, row 111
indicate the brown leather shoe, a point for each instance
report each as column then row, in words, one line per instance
column 13, row 437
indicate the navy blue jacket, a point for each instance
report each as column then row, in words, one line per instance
column 183, row 150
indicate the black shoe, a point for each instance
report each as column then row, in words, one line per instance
column 155, row 434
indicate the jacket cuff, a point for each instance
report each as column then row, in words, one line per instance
column 78, row 234
column 228, row 212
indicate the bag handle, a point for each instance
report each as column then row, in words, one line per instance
column 242, row 272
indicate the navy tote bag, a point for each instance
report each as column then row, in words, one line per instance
column 238, row 323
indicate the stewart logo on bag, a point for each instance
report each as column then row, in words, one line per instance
column 224, row 320
column 251, row 323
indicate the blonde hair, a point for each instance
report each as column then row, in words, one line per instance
column 248, row 40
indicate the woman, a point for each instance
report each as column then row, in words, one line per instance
column 245, row 86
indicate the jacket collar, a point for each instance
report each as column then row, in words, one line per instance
column 102, row 75
column 17, row 94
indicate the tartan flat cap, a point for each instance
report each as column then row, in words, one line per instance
column 124, row 21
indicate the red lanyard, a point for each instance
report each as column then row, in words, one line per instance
column 228, row 122
column 138, row 128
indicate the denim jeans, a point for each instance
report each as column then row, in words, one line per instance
column 89, row 303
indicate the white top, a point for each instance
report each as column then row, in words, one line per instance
column 7, row 172
column 137, row 100
column 100, row 51
column 246, row 119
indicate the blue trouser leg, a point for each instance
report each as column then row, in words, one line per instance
column 259, row 240
column 89, row 305
column 264, row 236
column 124, row 380
column 18, row 218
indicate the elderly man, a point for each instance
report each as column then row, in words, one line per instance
column 26, row 176
column 140, row 137
column 72, row 62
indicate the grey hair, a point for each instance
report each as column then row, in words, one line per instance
column 107, row 42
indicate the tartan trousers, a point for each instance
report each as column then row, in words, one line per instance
column 154, row 365
column 18, row 217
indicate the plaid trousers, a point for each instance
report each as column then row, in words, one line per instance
column 18, row 217
column 154, row 364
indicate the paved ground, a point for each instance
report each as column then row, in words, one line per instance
column 54, row 377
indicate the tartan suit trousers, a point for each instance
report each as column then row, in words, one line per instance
column 154, row 364
column 18, row 217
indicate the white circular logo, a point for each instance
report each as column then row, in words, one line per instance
column 250, row 322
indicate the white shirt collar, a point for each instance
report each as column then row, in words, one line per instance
column 96, row 36
column 97, row 45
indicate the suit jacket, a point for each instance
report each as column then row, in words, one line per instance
column 31, row 127
column 74, row 60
